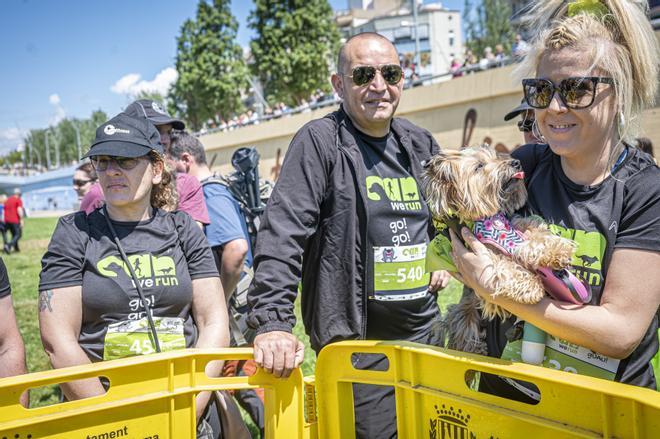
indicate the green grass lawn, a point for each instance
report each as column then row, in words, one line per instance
column 24, row 267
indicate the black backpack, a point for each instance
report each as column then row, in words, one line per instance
column 246, row 187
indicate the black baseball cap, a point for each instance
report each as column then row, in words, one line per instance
column 154, row 112
column 524, row 106
column 125, row 136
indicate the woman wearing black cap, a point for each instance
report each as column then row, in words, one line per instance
column 131, row 278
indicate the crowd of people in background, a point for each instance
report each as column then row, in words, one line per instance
column 470, row 62
column 491, row 58
column 251, row 117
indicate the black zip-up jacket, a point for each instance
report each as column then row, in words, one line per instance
column 317, row 209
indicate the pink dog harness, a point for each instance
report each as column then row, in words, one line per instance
column 563, row 285
column 498, row 232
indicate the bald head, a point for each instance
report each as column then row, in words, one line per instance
column 344, row 58
column 370, row 105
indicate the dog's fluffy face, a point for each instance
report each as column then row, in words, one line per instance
column 474, row 183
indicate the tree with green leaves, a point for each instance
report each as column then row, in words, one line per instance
column 487, row 23
column 212, row 73
column 62, row 140
column 295, row 45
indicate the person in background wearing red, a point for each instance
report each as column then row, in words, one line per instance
column 14, row 214
column 3, row 227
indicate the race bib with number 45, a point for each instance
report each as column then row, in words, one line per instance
column 129, row 338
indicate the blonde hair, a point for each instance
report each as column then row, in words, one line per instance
column 619, row 38
column 164, row 194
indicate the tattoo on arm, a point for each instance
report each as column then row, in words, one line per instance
column 44, row 300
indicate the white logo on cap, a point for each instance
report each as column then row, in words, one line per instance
column 110, row 130
column 157, row 108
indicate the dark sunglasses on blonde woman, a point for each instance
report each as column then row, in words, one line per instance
column 363, row 75
column 575, row 93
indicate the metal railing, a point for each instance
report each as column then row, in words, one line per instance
column 329, row 100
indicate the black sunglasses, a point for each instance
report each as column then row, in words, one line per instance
column 575, row 93
column 126, row 163
column 525, row 125
column 80, row 183
column 362, row 75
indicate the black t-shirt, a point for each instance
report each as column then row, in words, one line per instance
column 621, row 212
column 5, row 288
column 399, row 303
column 166, row 252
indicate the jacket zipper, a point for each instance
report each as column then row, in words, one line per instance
column 363, row 329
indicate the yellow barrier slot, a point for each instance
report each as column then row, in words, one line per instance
column 149, row 397
column 433, row 399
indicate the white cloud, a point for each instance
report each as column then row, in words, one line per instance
column 132, row 84
column 12, row 134
column 54, row 99
column 125, row 84
column 59, row 114
column 11, row 139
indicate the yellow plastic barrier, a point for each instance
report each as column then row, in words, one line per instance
column 434, row 401
column 149, row 397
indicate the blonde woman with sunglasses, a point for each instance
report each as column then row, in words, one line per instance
column 589, row 74
column 130, row 278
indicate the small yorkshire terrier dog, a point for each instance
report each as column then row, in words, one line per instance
column 482, row 189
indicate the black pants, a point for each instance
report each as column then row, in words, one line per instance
column 375, row 406
column 16, row 233
column 3, row 230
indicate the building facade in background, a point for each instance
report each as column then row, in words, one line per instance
column 438, row 29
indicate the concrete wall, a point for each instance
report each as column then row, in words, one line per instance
column 440, row 108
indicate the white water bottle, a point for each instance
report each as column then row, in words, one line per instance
column 533, row 344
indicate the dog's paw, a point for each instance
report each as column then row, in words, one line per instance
column 515, row 282
column 529, row 223
column 544, row 249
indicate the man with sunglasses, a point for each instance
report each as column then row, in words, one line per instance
column 191, row 197
column 348, row 217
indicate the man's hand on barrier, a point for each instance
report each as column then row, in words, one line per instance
column 278, row 352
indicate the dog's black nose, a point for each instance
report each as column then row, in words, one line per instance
column 516, row 164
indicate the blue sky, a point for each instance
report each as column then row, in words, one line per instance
column 67, row 58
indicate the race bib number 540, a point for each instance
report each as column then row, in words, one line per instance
column 399, row 272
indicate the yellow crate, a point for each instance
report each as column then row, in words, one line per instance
column 433, row 399
column 149, row 397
